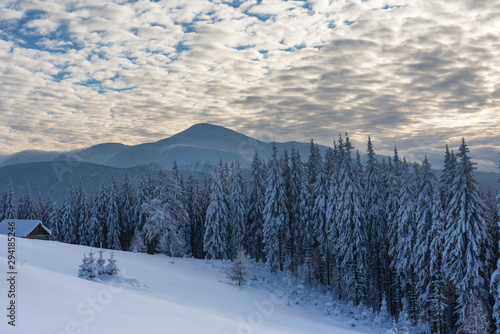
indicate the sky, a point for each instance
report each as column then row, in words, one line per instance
column 413, row 74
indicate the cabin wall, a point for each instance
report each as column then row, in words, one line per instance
column 38, row 233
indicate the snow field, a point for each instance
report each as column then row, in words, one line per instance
column 153, row 294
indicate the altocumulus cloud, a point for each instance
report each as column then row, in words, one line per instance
column 417, row 74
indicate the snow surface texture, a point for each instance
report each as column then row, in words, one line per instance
column 152, row 294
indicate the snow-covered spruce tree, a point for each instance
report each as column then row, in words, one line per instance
column 112, row 219
column 194, row 208
column 393, row 175
column 238, row 270
column 296, row 197
column 9, row 208
column 275, row 215
column 179, row 197
column 493, row 219
column 100, row 263
column 427, row 256
column 403, row 252
column 447, row 178
column 101, row 205
column 176, row 174
column 41, row 209
column 287, row 242
column 466, row 254
column 374, row 194
column 27, row 210
column 495, row 292
column 82, row 272
column 320, row 224
column 350, row 228
column 82, row 215
column 137, row 244
column 256, row 197
column 330, row 165
column 495, row 281
column 20, row 207
column 88, row 269
column 498, row 202
column 142, row 196
column 53, row 222
column 332, row 217
column 94, row 226
column 166, row 217
column 111, row 267
column 126, row 205
column 237, row 212
column 216, row 238
column 309, row 242
column 69, row 229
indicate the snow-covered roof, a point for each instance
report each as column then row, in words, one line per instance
column 23, row 227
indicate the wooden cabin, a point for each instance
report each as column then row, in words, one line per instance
column 30, row 229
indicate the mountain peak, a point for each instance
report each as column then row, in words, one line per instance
column 205, row 133
column 207, row 128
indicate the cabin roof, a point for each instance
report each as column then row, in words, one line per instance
column 23, row 227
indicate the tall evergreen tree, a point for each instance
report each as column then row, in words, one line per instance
column 127, row 202
column 447, row 178
column 310, row 244
column 112, row 220
column 402, row 253
column 296, row 198
column 9, row 203
column 495, row 279
column 166, row 217
column 332, row 216
column 41, row 210
column 427, row 255
column 350, row 227
column 394, row 175
column 374, row 194
column 466, row 252
column 101, row 207
column 53, row 220
column 194, row 208
column 69, row 229
column 237, row 212
column 27, row 209
column 215, row 240
column 82, row 214
column 95, row 226
column 275, row 215
column 142, row 196
column 256, row 197
column 320, row 223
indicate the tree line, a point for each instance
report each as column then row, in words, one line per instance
column 383, row 231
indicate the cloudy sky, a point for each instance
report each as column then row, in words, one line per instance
column 416, row 74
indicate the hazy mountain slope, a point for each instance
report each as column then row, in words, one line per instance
column 55, row 177
column 28, row 156
column 97, row 154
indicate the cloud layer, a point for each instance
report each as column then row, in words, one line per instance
column 417, row 74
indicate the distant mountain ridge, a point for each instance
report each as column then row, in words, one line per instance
column 196, row 149
column 200, row 144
